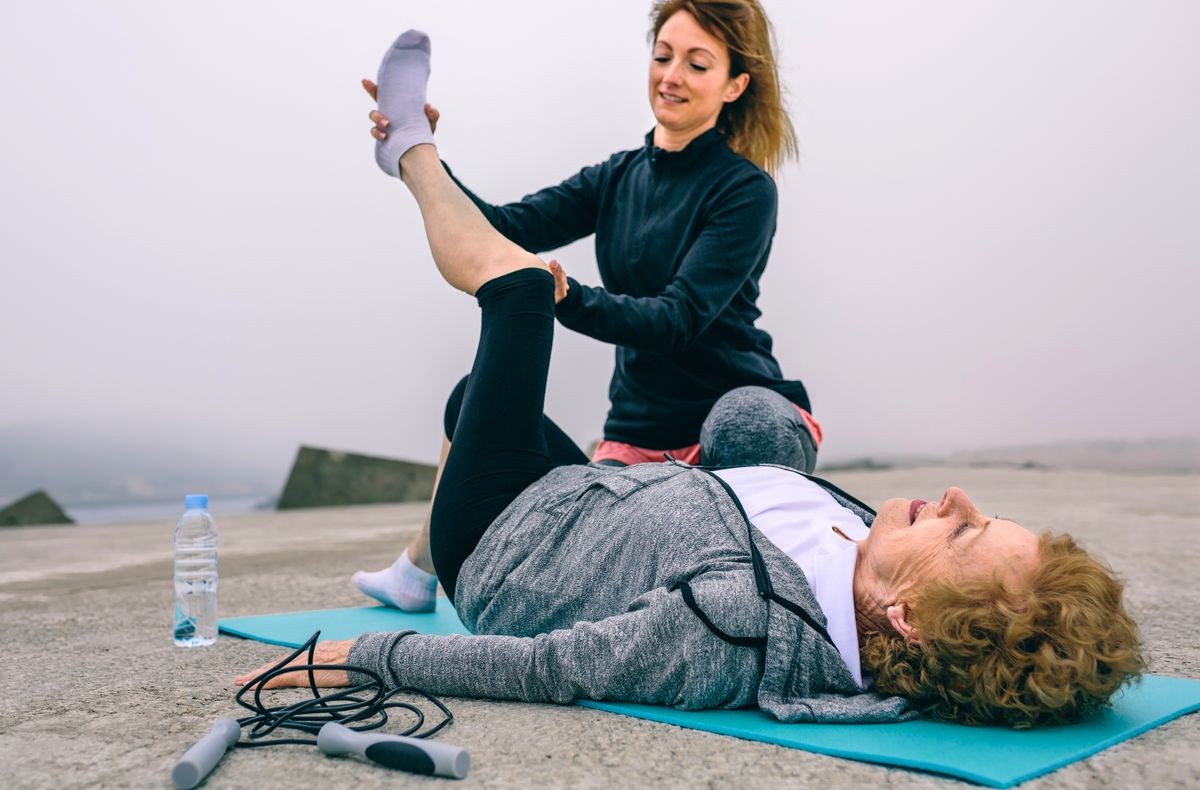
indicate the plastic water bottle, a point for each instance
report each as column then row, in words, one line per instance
column 195, row 574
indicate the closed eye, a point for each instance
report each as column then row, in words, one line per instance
column 960, row 529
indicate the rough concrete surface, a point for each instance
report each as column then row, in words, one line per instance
column 95, row 693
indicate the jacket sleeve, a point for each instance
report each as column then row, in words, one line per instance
column 658, row 652
column 550, row 218
column 869, row 707
column 735, row 237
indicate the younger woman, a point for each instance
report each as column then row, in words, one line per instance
column 683, row 229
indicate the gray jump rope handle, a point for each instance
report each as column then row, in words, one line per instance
column 205, row 753
column 415, row 755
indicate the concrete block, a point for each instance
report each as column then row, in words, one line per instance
column 36, row 508
column 325, row 478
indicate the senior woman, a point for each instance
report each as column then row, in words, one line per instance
column 670, row 584
column 683, row 229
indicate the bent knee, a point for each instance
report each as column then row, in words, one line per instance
column 502, row 261
column 756, row 425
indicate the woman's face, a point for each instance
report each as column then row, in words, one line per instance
column 913, row 542
column 689, row 77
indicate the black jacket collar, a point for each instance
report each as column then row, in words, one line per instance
column 692, row 152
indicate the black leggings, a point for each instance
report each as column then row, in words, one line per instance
column 501, row 442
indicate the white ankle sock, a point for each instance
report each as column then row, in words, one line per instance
column 403, row 75
column 403, row 585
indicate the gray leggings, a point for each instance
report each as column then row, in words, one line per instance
column 755, row 425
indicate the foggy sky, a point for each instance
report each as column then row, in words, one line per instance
column 990, row 237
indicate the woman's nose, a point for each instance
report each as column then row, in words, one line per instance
column 954, row 501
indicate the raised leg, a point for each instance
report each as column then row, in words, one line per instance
column 467, row 250
column 499, row 446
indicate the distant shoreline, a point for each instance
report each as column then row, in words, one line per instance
column 889, row 465
column 1170, row 456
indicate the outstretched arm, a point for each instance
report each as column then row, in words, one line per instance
column 734, row 240
column 657, row 653
column 549, row 218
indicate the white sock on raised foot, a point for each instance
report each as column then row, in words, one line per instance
column 403, row 585
column 403, row 75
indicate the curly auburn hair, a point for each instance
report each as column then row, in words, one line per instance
column 756, row 125
column 1052, row 652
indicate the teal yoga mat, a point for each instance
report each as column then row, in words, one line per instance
column 985, row 755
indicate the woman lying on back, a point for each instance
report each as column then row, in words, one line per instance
column 670, row 584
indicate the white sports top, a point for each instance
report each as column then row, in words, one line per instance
column 798, row 516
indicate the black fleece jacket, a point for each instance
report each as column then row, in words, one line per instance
column 681, row 241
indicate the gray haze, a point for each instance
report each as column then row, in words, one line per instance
column 990, row 238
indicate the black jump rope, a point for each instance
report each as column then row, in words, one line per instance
column 341, row 722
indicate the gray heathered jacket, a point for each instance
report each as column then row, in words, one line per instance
column 597, row 582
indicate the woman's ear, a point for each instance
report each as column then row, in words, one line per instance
column 897, row 615
column 736, row 87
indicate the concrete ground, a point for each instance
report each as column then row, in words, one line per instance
column 96, row 694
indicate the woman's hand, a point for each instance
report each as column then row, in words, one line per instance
column 379, row 131
column 561, row 286
column 329, row 652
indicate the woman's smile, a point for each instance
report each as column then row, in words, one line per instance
column 689, row 82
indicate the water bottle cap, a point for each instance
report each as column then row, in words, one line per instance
column 196, row 502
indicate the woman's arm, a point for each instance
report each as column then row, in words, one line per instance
column 734, row 239
column 657, row 653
